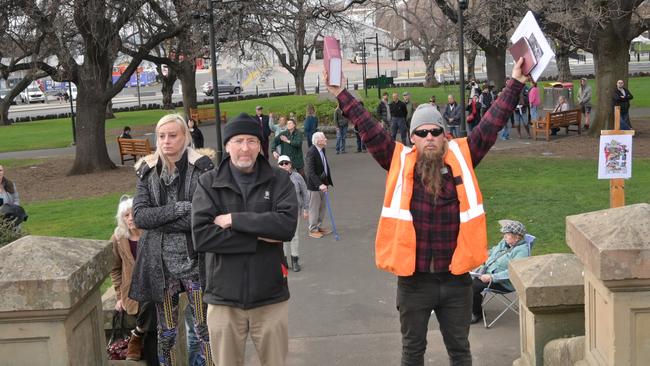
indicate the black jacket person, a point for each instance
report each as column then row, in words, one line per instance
column 241, row 214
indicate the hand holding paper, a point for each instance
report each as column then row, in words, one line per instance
column 332, row 61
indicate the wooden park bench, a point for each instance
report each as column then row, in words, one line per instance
column 134, row 147
column 206, row 114
column 557, row 120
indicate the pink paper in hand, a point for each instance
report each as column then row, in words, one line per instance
column 333, row 61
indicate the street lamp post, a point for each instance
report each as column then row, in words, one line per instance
column 364, row 59
column 462, row 5
column 215, row 82
column 377, row 53
column 74, row 129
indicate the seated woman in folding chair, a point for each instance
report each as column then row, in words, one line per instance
column 494, row 273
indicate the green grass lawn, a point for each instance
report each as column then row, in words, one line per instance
column 540, row 192
column 17, row 163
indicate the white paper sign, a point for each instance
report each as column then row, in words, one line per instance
column 543, row 52
column 615, row 157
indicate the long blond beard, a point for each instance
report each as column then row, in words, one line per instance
column 428, row 167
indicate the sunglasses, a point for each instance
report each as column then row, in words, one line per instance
column 284, row 163
column 435, row 132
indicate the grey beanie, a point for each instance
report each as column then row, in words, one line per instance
column 426, row 114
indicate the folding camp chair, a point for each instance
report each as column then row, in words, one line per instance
column 508, row 298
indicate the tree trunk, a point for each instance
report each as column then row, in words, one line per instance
column 299, row 79
column 91, row 153
column 470, row 57
column 168, row 88
column 495, row 59
column 562, row 61
column 109, row 105
column 430, row 80
column 187, row 76
column 611, row 65
column 4, row 112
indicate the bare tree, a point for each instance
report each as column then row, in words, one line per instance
column 88, row 35
column 420, row 23
column 487, row 24
column 604, row 28
column 23, row 47
column 291, row 30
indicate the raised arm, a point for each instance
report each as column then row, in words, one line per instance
column 373, row 135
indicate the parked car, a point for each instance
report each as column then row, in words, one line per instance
column 5, row 92
column 224, row 87
column 32, row 94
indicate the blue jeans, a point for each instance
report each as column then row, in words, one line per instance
column 625, row 121
column 533, row 113
column 360, row 145
column 451, row 298
column 341, row 133
column 398, row 123
column 454, row 130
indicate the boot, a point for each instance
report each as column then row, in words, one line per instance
column 295, row 266
column 133, row 352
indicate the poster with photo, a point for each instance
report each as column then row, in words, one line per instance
column 529, row 29
column 615, row 157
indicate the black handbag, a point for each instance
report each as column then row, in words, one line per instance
column 119, row 341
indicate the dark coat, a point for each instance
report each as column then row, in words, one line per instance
column 169, row 221
column 293, row 149
column 453, row 116
column 266, row 130
column 315, row 171
column 240, row 269
column 622, row 101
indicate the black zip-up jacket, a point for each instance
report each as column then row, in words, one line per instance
column 240, row 269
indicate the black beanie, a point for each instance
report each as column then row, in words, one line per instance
column 242, row 125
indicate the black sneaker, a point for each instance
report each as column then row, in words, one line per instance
column 476, row 318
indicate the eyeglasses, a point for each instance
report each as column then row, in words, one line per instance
column 284, row 163
column 241, row 142
column 435, row 132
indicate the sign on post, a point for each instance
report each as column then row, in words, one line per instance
column 615, row 159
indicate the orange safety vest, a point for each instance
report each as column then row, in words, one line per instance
column 395, row 242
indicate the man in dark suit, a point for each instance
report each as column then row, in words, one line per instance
column 319, row 177
column 263, row 120
column 452, row 115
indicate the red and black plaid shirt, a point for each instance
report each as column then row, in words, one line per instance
column 436, row 224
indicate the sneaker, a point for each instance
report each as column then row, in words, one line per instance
column 476, row 318
column 133, row 352
column 325, row 230
column 315, row 234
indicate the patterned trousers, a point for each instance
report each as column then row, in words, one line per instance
column 167, row 313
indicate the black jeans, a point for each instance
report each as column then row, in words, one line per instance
column 146, row 320
column 477, row 287
column 451, row 298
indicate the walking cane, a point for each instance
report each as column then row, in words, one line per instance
column 329, row 210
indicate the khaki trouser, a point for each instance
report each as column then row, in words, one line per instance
column 268, row 327
column 316, row 209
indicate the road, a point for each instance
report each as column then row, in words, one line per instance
column 280, row 80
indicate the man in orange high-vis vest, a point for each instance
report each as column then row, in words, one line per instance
column 431, row 231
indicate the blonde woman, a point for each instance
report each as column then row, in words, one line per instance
column 167, row 264
column 125, row 250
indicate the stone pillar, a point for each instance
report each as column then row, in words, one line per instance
column 551, row 302
column 614, row 246
column 50, row 308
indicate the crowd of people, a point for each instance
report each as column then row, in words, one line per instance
column 227, row 235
